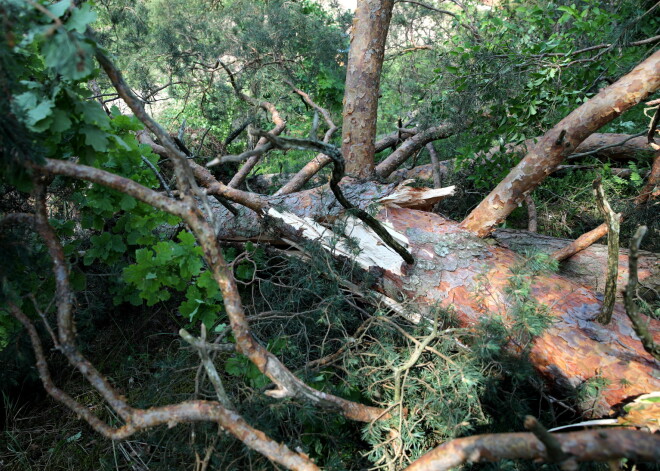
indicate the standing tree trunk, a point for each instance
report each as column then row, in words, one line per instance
column 365, row 60
column 560, row 141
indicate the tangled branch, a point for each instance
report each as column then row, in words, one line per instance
column 337, row 174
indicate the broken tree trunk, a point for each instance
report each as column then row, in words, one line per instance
column 561, row 141
column 457, row 270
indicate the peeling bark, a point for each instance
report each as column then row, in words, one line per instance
column 365, row 60
column 560, row 141
column 450, row 265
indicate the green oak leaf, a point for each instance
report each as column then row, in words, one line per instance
column 80, row 18
column 95, row 138
column 58, row 9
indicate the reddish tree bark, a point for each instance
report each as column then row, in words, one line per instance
column 365, row 60
column 457, row 270
column 588, row 265
column 561, row 141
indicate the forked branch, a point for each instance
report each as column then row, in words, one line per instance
column 262, row 145
column 135, row 419
column 320, row 160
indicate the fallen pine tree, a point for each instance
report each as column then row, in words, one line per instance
column 413, row 257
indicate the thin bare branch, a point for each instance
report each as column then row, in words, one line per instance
column 320, row 160
column 552, row 445
column 469, row 27
column 190, row 411
column 393, row 139
column 288, row 385
column 201, row 346
column 609, row 146
column 585, row 240
column 185, row 179
column 258, row 151
column 64, row 301
column 412, row 145
column 155, row 171
column 276, row 118
column 211, row 185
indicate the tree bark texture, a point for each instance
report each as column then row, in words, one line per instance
column 455, row 269
column 589, row 265
column 611, row 146
column 561, row 141
column 365, row 60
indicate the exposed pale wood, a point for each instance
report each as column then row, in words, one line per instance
column 370, row 252
column 416, row 198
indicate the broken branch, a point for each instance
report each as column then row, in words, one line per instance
column 613, row 224
column 589, row 445
column 337, row 174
